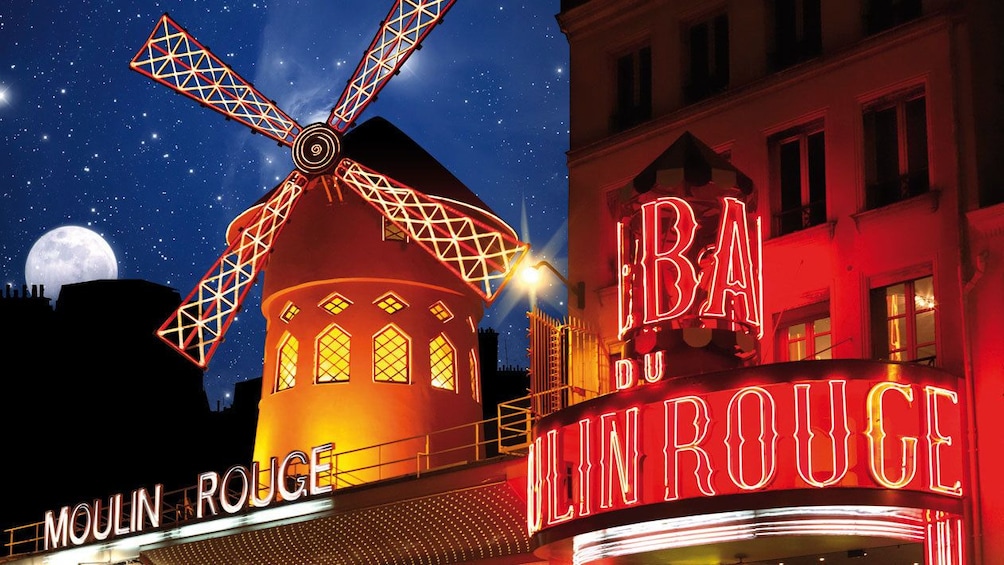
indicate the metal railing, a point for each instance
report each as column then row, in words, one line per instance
column 411, row 456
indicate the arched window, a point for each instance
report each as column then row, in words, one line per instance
column 442, row 363
column 391, row 351
column 285, row 369
column 332, row 359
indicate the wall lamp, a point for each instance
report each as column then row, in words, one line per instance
column 531, row 275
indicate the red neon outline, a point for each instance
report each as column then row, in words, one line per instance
column 734, row 423
column 935, row 440
column 585, row 467
column 626, row 463
column 671, row 465
column 669, row 261
column 804, row 433
column 554, row 483
column 655, row 366
column 876, row 441
column 734, row 221
column 624, row 374
column 534, row 478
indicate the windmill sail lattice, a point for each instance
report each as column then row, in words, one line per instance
column 482, row 256
column 481, row 252
column 177, row 60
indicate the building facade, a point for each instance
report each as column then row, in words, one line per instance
column 868, row 129
column 785, row 218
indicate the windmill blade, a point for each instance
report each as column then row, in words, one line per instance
column 484, row 256
column 174, row 58
column 400, row 35
column 196, row 328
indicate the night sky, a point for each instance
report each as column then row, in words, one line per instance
column 89, row 142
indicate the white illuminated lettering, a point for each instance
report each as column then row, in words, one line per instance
column 936, row 440
column 619, row 460
column 837, row 437
column 555, row 481
column 655, row 366
column 624, row 374
column 284, row 477
column 241, row 474
column 675, row 445
column 316, row 468
column 208, row 483
column 877, row 434
column 766, row 438
column 670, row 279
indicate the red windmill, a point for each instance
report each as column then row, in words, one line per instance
column 326, row 258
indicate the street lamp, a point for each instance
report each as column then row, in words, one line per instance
column 531, row 276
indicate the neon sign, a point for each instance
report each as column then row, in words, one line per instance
column 671, row 272
column 691, row 441
column 235, row 491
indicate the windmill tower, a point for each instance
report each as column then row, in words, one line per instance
column 373, row 293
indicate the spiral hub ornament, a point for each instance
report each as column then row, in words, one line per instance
column 316, row 149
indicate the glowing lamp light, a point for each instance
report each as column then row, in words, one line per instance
column 531, row 277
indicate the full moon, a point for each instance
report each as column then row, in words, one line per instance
column 66, row 255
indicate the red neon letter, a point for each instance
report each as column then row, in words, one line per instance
column 669, row 276
column 585, row 467
column 804, row 433
column 624, row 374
column 876, row 438
column 766, row 438
column 655, row 366
column 556, row 477
column 675, row 445
column 534, row 482
column 935, row 440
column 622, row 459
column 735, row 270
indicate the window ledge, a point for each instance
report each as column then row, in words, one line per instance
column 807, row 234
column 930, row 200
column 989, row 221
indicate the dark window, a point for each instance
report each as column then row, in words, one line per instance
column 797, row 32
column 881, row 15
column 895, row 150
column 634, row 89
column 799, row 162
column 903, row 321
column 708, row 48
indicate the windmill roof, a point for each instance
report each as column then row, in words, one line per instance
column 379, row 145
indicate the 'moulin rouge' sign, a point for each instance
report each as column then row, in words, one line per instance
column 795, row 427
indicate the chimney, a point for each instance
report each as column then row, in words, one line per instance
column 41, row 291
column 34, row 291
column 8, row 290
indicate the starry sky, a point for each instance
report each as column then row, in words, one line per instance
column 89, row 142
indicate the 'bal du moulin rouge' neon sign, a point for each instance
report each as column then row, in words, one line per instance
column 665, row 278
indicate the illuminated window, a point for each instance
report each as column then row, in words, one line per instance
column 895, row 142
column 883, row 14
column 708, row 60
column 393, row 233
column 634, row 89
column 441, row 312
column 390, row 303
column 799, row 178
column 475, row 376
column 332, row 359
column 390, row 356
column 903, row 321
column 442, row 363
column 335, row 304
column 285, row 370
column 289, row 312
column 797, row 31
